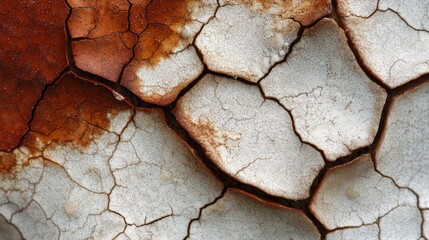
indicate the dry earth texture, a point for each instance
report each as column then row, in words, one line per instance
column 214, row 119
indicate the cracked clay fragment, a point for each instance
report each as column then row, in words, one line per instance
column 403, row 153
column 33, row 53
column 245, row 43
column 165, row 61
column 160, row 185
column 236, row 216
column 248, row 137
column 335, row 106
column 391, row 37
column 355, row 195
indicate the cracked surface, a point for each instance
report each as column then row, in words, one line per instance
column 403, row 153
column 121, row 119
column 28, row 60
column 355, row 195
column 236, row 216
column 126, row 171
column 245, row 43
column 327, row 92
column 233, row 123
column 165, row 62
column 245, row 39
column 390, row 36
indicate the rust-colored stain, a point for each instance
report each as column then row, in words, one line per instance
column 155, row 23
column 33, row 52
column 164, row 18
column 105, row 56
column 93, row 19
column 7, row 162
column 73, row 111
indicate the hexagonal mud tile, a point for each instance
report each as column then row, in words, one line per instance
column 246, row 38
column 391, row 37
column 335, row 106
column 248, row 137
column 236, row 216
column 93, row 167
column 403, row 153
column 354, row 195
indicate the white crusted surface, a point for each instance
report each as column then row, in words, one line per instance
column 335, row 106
column 245, row 43
column 403, row 153
column 236, row 216
column 158, row 179
column 393, row 41
column 162, row 83
column 368, row 232
column 354, row 194
column 248, row 137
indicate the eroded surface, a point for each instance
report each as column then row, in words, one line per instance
column 355, row 195
column 327, row 92
column 234, row 123
column 391, row 37
column 236, row 216
column 403, row 153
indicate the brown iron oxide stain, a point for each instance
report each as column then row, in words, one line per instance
column 93, row 19
column 33, row 52
column 104, row 56
column 156, row 23
column 7, row 162
column 73, row 111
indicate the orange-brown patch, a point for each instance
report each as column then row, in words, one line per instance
column 73, row 111
column 93, row 19
column 104, row 56
column 33, row 52
column 7, row 162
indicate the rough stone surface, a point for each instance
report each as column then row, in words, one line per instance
column 355, row 195
column 335, row 106
column 29, row 59
column 236, row 216
column 234, row 123
column 403, row 153
column 391, row 37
